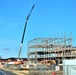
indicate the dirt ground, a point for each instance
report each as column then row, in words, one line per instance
column 25, row 72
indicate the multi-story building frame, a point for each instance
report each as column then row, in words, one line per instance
column 42, row 49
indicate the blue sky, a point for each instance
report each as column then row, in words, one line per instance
column 48, row 18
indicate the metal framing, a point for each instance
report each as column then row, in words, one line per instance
column 46, row 49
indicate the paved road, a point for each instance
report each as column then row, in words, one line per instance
column 3, row 72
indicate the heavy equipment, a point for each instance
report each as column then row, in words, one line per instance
column 24, row 32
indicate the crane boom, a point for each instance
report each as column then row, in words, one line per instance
column 24, row 31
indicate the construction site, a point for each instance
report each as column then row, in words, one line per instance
column 46, row 56
column 50, row 52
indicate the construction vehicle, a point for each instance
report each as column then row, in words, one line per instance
column 24, row 32
column 20, row 61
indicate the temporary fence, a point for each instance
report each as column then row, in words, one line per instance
column 12, row 66
column 69, row 70
column 46, row 70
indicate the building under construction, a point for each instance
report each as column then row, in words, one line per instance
column 41, row 50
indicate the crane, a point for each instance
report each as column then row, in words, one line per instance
column 24, row 31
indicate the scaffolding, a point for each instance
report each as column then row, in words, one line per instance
column 48, row 50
